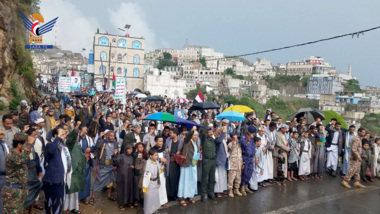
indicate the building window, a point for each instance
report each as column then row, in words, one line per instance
column 102, row 69
column 111, row 69
column 112, row 55
column 114, row 40
column 136, row 72
column 119, row 57
column 122, row 43
column 136, row 45
column 103, row 56
column 136, row 59
column 103, row 41
column 125, row 57
column 118, row 70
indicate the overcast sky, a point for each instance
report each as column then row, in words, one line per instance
column 232, row 27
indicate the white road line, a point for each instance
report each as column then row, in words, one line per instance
column 321, row 200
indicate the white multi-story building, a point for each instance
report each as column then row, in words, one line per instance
column 264, row 67
column 324, row 84
column 299, row 68
column 164, row 83
column 242, row 69
column 369, row 106
column 119, row 55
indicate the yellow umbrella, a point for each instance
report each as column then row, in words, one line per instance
column 239, row 108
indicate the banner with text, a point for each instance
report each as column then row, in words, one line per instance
column 120, row 88
column 64, row 84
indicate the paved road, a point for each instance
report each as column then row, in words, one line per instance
column 314, row 196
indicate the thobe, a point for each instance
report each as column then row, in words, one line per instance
column 221, row 161
column 151, row 194
column 124, row 179
column 162, row 190
column 272, row 164
column 333, row 153
column 256, row 175
column 313, row 142
column 305, row 154
column 347, row 152
column 266, row 158
column 376, row 161
column 319, row 160
column 172, row 168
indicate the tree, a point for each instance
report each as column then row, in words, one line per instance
column 203, row 62
column 352, row 85
column 167, row 55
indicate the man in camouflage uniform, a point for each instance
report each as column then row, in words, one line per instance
column 236, row 163
column 16, row 189
column 355, row 161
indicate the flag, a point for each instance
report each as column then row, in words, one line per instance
column 198, row 98
column 72, row 72
column 114, row 80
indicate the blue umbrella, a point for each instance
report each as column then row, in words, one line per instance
column 231, row 116
column 189, row 124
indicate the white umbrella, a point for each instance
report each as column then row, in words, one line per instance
column 141, row 96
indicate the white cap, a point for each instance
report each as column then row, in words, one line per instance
column 39, row 120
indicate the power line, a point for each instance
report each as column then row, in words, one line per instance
column 302, row 44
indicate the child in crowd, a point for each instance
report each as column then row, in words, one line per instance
column 125, row 178
column 259, row 161
column 236, row 164
column 366, row 156
column 305, row 154
column 139, row 158
column 293, row 155
column 150, row 183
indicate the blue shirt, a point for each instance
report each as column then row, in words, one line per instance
column 248, row 148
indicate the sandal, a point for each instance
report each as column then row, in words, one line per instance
column 136, row 204
column 91, row 201
column 112, row 198
column 166, row 205
column 182, row 202
column 38, row 207
column 122, row 208
column 218, row 195
column 192, row 200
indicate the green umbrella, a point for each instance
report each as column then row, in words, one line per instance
column 332, row 114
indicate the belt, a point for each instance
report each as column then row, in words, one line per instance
column 108, row 162
column 248, row 155
column 16, row 186
column 154, row 179
column 209, row 158
column 335, row 144
column 305, row 150
column 3, row 173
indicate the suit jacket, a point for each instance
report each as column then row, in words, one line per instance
column 54, row 171
column 330, row 137
column 188, row 150
column 302, row 142
column 129, row 139
column 280, row 144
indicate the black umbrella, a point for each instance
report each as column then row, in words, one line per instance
column 310, row 114
column 134, row 93
column 159, row 98
column 150, row 99
column 82, row 94
column 204, row 105
column 138, row 90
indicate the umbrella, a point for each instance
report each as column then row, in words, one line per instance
column 149, row 99
column 82, row 94
column 239, row 108
column 231, row 116
column 140, row 96
column 159, row 98
column 160, row 116
column 189, row 124
column 181, row 100
column 109, row 91
column 332, row 114
column 134, row 93
column 309, row 113
column 138, row 90
column 204, row 105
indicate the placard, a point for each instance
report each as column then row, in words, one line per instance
column 64, row 84
column 120, row 88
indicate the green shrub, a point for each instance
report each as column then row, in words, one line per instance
column 2, row 106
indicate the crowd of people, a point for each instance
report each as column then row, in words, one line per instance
column 53, row 146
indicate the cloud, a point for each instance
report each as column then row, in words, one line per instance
column 75, row 30
column 133, row 14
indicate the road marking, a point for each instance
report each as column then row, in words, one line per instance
column 321, row 200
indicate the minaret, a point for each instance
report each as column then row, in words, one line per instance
column 56, row 34
column 349, row 70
